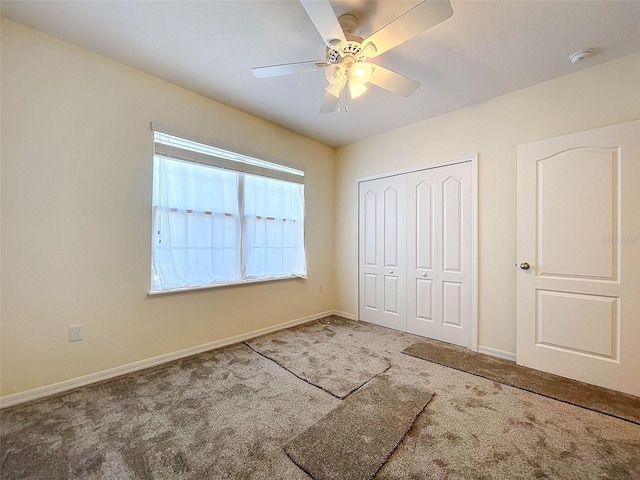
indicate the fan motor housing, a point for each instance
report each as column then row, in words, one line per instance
column 353, row 49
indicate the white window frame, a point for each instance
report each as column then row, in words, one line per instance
column 174, row 145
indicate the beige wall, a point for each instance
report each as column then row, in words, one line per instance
column 602, row 95
column 76, row 221
column 76, row 216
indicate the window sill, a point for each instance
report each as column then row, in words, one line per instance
column 154, row 293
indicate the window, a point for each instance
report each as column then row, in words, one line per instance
column 222, row 218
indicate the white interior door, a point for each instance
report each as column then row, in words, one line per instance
column 440, row 253
column 578, row 229
column 382, row 250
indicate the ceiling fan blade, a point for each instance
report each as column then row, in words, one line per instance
column 392, row 81
column 287, row 69
column 420, row 18
column 329, row 103
column 323, row 17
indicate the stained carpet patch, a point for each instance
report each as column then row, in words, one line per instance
column 603, row 400
column 353, row 441
column 318, row 355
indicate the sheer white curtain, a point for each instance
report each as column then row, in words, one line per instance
column 221, row 217
column 273, row 228
column 196, row 225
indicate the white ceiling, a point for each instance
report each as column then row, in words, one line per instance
column 486, row 49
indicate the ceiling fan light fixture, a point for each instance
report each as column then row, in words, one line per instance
column 335, row 89
column 346, row 68
column 334, row 74
column 356, row 89
column 361, row 72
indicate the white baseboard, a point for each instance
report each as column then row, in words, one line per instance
column 349, row 316
column 55, row 388
column 494, row 352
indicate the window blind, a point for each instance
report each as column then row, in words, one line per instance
column 174, row 147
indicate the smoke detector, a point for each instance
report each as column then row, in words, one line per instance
column 581, row 55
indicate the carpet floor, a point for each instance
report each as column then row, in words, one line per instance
column 229, row 413
column 324, row 358
column 355, row 439
column 617, row 404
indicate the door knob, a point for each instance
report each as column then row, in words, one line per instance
column 424, row 274
column 391, row 272
column 524, row 266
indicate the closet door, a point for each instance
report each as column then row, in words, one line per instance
column 439, row 253
column 382, row 252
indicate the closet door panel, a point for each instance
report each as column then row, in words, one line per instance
column 451, row 205
column 423, row 219
column 424, row 299
column 441, row 223
column 369, row 228
column 382, row 247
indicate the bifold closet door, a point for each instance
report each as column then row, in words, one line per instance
column 382, row 252
column 439, row 253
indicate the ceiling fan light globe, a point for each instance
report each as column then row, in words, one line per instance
column 334, row 74
column 334, row 89
column 356, row 89
column 361, row 72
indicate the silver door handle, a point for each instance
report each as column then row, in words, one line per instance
column 424, row 274
column 524, row 266
column 391, row 272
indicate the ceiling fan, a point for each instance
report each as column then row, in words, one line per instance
column 347, row 66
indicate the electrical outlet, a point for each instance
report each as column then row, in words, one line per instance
column 75, row 333
column 320, row 288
